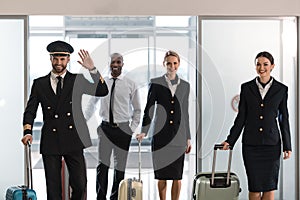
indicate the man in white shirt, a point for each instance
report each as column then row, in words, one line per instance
column 120, row 111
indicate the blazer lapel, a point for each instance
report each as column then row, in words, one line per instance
column 163, row 83
column 48, row 91
column 272, row 90
column 180, row 91
column 254, row 89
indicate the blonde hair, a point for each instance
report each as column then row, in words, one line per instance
column 171, row 53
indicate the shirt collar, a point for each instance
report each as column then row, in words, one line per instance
column 121, row 76
column 169, row 82
column 267, row 85
column 53, row 76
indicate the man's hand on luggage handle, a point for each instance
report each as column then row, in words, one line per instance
column 27, row 138
column 140, row 136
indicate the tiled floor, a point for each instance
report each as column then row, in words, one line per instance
column 149, row 183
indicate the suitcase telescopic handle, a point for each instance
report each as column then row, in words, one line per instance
column 220, row 146
column 216, row 147
column 140, row 160
column 28, row 165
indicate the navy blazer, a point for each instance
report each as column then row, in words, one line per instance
column 64, row 129
column 260, row 117
column 171, row 125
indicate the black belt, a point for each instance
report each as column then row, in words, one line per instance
column 113, row 125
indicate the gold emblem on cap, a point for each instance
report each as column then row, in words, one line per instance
column 66, row 53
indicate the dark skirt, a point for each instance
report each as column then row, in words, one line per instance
column 262, row 165
column 168, row 165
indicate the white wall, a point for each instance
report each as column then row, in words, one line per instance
column 11, row 103
column 153, row 7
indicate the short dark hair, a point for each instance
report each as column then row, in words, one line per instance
column 265, row 54
column 116, row 55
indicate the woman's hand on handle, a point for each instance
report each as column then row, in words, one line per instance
column 188, row 147
column 287, row 154
column 225, row 145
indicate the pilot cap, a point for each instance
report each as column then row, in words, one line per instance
column 59, row 48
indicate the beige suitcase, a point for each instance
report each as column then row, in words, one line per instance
column 132, row 188
column 216, row 185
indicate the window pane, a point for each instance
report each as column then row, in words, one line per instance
column 46, row 21
column 172, row 21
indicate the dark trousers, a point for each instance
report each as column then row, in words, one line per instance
column 114, row 140
column 77, row 175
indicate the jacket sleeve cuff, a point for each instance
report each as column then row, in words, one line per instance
column 27, row 131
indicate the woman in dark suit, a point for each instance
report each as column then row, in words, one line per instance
column 167, row 103
column 263, row 105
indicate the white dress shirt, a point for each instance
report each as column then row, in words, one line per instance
column 263, row 90
column 54, row 80
column 126, row 102
column 171, row 86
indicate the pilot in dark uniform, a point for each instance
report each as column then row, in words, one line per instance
column 64, row 132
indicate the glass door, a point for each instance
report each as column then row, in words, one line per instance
column 143, row 41
column 143, row 50
column 228, row 47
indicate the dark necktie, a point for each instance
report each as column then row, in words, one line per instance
column 58, row 86
column 111, row 117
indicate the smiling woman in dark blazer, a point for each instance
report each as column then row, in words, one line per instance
column 263, row 105
column 171, row 137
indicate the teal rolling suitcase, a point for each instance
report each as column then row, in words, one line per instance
column 216, row 185
column 20, row 193
column 23, row 192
